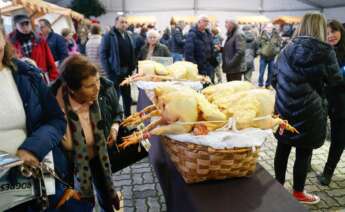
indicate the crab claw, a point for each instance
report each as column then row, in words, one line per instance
column 127, row 81
column 134, row 119
column 284, row 125
column 290, row 128
column 132, row 78
column 68, row 194
column 131, row 139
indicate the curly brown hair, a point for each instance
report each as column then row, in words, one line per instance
column 75, row 69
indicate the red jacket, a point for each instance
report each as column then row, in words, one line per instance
column 41, row 54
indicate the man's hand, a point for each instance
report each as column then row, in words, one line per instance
column 113, row 134
column 28, row 158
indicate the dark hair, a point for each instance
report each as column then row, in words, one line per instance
column 46, row 23
column 172, row 21
column 95, row 29
column 65, row 32
column 119, row 16
column 340, row 48
column 75, row 69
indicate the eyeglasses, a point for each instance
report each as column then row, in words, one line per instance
column 24, row 23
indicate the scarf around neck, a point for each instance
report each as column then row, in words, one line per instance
column 81, row 159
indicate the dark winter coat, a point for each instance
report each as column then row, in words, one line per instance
column 336, row 95
column 303, row 70
column 45, row 122
column 233, row 53
column 251, row 49
column 199, row 50
column 160, row 50
column 165, row 39
column 57, row 45
column 41, row 54
column 177, row 41
column 110, row 58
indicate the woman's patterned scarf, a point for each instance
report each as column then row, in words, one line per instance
column 80, row 154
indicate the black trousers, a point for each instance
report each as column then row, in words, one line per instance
column 337, row 143
column 125, row 92
column 300, row 167
column 234, row 76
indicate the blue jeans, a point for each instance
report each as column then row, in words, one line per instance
column 177, row 57
column 263, row 63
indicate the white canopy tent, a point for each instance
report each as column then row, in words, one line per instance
column 222, row 9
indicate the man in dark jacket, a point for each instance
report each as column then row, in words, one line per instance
column 269, row 48
column 45, row 123
column 56, row 42
column 198, row 47
column 118, row 59
column 250, row 52
column 177, row 42
column 28, row 44
column 233, row 52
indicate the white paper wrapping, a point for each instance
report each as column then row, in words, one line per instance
column 148, row 85
column 227, row 139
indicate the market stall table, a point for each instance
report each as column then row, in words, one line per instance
column 260, row 192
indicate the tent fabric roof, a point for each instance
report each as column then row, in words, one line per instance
column 41, row 7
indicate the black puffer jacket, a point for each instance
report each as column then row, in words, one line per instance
column 303, row 70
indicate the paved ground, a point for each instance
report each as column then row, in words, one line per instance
column 141, row 190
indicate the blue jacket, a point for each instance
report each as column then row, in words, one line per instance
column 198, row 49
column 177, row 41
column 109, row 55
column 304, row 69
column 57, row 45
column 45, row 122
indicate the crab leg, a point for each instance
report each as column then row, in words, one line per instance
column 137, row 116
column 132, row 78
column 136, row 137
column 282, row 125
column 142, row 118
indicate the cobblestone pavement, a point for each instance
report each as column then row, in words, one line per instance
column 141, row 191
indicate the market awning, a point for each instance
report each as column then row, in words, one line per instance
column 193, row 19
column 287, row 20
column 253, row 20
column 39, row 8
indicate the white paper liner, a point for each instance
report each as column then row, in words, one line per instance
column 227, row 139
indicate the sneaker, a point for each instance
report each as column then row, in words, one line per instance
column 304, row 197
column 324, row 180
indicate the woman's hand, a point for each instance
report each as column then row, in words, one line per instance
column 113, row 134
column 28, row 158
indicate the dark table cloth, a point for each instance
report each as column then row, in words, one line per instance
column 260, row 192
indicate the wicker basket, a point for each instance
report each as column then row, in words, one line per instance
column 197, row 163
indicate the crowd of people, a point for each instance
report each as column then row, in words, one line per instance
column 62, row 94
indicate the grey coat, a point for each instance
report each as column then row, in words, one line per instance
column 160, row 50
column 233, row 53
